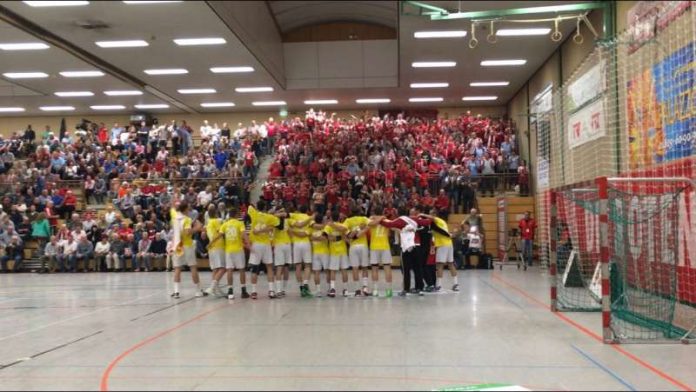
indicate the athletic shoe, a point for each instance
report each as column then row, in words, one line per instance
column 402, row 293
column 230, row 293
column 281, row 294
column 390, row 293
column 253, row 295
column 375, row 293
column 437, row 289
column 414, row 291
column 365, row 292
column 455, row 287
column 358, row 293
column 345, row 293
column 210, row 291
column 271, row 294
column 245, row 295
column 429, row 289
column 201, row 293
column 420, row 293
column 332, row 293
column 175, row 295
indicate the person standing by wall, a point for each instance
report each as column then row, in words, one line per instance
column 527, row 227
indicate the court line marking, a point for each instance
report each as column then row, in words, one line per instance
column 74, row 318
column 507, row 298
column 50, row 350
column 604, row 368
column 596, row 337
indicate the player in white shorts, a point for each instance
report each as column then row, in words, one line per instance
column 300, row 231
column 320, row 252
column 184, row 252
column 235, row 236
column 282, row 256
column 216, row 251
column 262, row 228
column 359, row 253
column 444, row 250
column 338, row 253
column 380, row 252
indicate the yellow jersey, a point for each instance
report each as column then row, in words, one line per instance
column 261, row 220
column 379, row 238
column 233, row 230
column 337, row 246
column 319, row 247
column 282, row 237
column 356, row 223
column 186, row 238
column 299, row 218
column 441, row 240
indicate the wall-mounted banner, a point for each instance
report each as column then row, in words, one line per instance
column 646, row 17
column 586, row 124
column 542, row 174
column 586, row 87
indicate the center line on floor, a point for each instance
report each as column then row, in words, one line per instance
column 604, row 368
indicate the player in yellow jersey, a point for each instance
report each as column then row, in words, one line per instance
column 301, row 231
column 234, row 233
column 338, row 253
column 184, row 252
column 320, row 252
column 380, row 252
column 262, row 227
column 216, row 251
column 444, row 250
column 359, row 255
column 282, row 254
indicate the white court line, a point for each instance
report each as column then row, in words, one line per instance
column 12, row 299
column 75, row 318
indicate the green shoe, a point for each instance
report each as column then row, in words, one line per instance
column 389, row 293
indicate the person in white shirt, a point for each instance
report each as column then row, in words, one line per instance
column 68, row 257
column 205, row 130
column 110, row 216
column 240, row 132
column 100, row 252
column 205, row 197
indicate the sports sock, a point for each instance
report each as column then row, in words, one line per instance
column 253, row 287
column 305, row 282
column 198, row 286
column 176, row 287
column 270, row 286
column 438, row 282
column 364, row 282
column 279, row 285
column 456, row 279
column 333, row 284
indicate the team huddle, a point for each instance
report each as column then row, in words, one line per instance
column 312, row 244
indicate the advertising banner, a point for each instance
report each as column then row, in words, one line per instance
column 586, row 124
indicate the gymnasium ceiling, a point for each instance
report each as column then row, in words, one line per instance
column 72, row 48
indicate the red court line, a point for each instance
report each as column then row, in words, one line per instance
column 104, row 386
column 598, row 338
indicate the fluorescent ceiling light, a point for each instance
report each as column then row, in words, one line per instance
column 81, row 74
column 480, row 98
column 373, row 100
column 429, row 85
column 494, row 63
column 196, row 90
column 433, row 64
column 55, row 3
column 107, row 107
column 488, row 84
column 10, row 109
column 116, row 93
column 57, row 108
column 151, row 1
column 321, row 102
column 523, row 32
column 426, row 99
column 152, row 106
column 231, row 69
column 166, row 71
column 199, row 41
column 269, row 103
column 253, row 89
column 217, row 104
column 74, row 93
column 136, row 43
column 440, row 34
column 25, row 75
column 24, row 46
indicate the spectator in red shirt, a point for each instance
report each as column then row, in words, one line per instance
column 527, row 226
column 442, row 204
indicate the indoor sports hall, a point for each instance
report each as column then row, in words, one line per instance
column 347, row 195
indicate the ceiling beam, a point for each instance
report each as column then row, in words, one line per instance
column 520, row 11
column 41, row 33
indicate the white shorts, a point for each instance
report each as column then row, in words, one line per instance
column 188, row 258
column 217, row 258
column 282, row 254
column 444, row 254
column 320, row 262
column 234, row 260
column 261, row 253
column 359, row 256
column 382, row 257
column 302, row 253
column 338, row 262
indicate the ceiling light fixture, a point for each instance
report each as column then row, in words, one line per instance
column 488, row 84
column 81, row 74
column 373, row 100
column 65, row 94
column 55, row 3
column 25, row 75
column 217, row 104
column 523, row 32
column 107, row 107
column 440, row 34
column 253, row 89
column 496, row 63
column 426, row 99
column 231, row 69
column 152, row 106
column 433, row 64
column 11, row 109
column 136, row 43
column 269, row 103
column 430, row 85
column 196, row 91
column 57, row 108
column 166, row 71
column 321, row 102
column 480, row 98
column 24, row 46
column 116, row 93
column 199, row 41
column 151, row 1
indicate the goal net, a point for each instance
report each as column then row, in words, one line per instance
column 625, row 246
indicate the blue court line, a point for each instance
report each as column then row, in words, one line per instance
column 604, row 368
column 501, row 293
column 538, row 367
